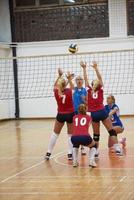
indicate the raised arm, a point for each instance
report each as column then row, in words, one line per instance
column 95, row 66
column 69, row 78
column 60, row 73
column 84, row 65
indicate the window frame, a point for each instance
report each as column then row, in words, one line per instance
column 49, row 6
column 128, row 22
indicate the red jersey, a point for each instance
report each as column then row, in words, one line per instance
column 95, row 100
column 64, row 101
column 81, row 124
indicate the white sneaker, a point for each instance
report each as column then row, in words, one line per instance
column 119, row 152
column 117, row 149
column 75, row 164
column 92, row 163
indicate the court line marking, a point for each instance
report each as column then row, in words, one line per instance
column 112, row 189
column 63, row 179
column 123, row 178
column 66, row 164
column 50, row 178
column 7, row 158
column 56, row 156
column 88, row 167
column 60, row 163
column 45, row 193
column 28, row 168
column 37, row 157
column 21, row 158
column 56, row 193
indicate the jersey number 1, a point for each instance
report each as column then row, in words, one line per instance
column 83, row 121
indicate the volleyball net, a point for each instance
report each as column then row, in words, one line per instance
column 36, row 74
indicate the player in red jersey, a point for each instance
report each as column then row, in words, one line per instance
column 63, row 96
column 81, row 136
column 96, row 107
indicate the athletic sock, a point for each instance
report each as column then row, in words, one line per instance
column 52, row 142
column 70, row 145
column 92, row 153
column 75, row 154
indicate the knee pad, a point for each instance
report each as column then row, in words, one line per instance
column 112, row 132
column 96, row 137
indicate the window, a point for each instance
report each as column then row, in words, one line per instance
column 48, row 2
column 62, row 22
column 130, row 14
column 25, row 3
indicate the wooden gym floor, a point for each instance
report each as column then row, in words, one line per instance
column 24, row 175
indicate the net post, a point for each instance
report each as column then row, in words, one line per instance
column 16, row 89
column 15, row 67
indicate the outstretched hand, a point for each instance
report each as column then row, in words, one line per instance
column 69, row 76
column 94, row 65
column 83, row 64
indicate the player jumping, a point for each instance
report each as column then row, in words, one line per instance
column 97, row 109
column 63, row 96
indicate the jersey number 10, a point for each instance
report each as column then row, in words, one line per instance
column 81, row 121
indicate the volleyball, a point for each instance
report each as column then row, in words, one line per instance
column 73, row 48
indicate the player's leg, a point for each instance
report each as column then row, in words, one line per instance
column 113, row 135
column 75, row 156
column 86, row 141
column 69, row 121
column 54, row 136
column 96, row 135
column 92, row 153
column 75, row 142
column 118, row 130
column 89, row 142
column 70, row 145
